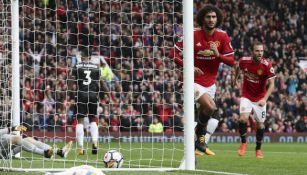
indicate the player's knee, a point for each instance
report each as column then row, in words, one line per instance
column 209, row 111
column 207, row 105
column 92, row 118
column 243, row 120
column 260, row 125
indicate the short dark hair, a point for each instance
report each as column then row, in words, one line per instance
column 207, row 9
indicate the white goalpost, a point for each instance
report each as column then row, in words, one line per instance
column 15, row 64
column 188, row 33
column 141, row 90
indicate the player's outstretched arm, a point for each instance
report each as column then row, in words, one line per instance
column 4, row 131
column 20, row 128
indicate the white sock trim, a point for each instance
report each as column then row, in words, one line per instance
column 211, row 126
column 94, row 132
column 80, row 134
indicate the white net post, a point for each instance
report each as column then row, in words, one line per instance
column 188, row 71
column 15, row 64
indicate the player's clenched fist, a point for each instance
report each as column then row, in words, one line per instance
column 213, row 47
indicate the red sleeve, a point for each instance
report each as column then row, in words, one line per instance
column 270, row 71
column 229, row 60
column 227, row 52
column 226, row 46
column 176, row 53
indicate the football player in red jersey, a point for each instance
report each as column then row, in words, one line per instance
column 256, row 72
column 211, row 47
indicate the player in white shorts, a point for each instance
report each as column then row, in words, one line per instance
column 200, row 90
column 212, row 47
column 257, row 72
column 246, row 107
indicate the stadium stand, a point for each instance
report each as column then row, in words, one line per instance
column 137, row 52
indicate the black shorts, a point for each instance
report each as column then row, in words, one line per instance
column 87, row 105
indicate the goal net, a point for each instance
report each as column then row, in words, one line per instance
column 142, row 87
column 5, row 64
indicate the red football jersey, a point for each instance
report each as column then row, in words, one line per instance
column 204, row 58
column 255, row 77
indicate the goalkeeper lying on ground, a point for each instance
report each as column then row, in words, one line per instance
column 27, row 143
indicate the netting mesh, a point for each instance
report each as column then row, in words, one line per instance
column 5, row 64
column 142, row 88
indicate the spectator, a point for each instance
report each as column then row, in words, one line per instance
column 55, row 123
column 156, row 126
column 103, row 126
column 301, row 124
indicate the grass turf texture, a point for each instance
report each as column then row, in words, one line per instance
column 279, row 159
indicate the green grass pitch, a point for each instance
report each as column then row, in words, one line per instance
column 279, row 159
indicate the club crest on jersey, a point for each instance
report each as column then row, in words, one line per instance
column 259, row 71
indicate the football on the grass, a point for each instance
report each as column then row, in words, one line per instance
column 113, row 159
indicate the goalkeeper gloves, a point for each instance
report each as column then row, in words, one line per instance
column 20, row 128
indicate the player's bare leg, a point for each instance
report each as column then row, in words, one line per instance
column 80, row 136
column 209, row 109
column 207, row 106
column 243, row 131
column 259, row 138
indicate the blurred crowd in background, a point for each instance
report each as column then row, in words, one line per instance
column 143, row 87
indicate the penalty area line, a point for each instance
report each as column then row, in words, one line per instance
column 221, row 172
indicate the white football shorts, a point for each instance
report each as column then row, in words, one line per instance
column 200, row 90
column 246, row 106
